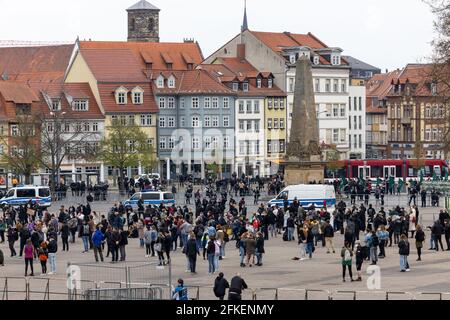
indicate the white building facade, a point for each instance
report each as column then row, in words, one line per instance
column 357, row 122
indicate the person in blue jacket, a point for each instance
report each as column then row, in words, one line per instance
column 180, row 292
column 97, row 240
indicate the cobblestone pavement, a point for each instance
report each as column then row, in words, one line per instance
column 322, row 272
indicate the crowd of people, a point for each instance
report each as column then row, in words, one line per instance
column 219, row 218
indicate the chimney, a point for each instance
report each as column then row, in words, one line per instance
column 188, row 40
column 241, row 51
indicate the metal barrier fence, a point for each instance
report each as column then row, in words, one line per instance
column 149, row 293
column 120, row 275
column 35, row 288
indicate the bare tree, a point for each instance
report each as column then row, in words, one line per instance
column 23, row 146
column 63, row 138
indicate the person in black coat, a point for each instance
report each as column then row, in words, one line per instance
column 122, row 243
column 191, row 251
column 236, row 286
column 220, row 286
column 65, row 236
column 259, row 248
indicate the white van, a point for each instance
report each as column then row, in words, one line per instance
column 22, row 195
column 308, row 194
column 150, row 198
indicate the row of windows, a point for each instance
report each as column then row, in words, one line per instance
column 249, row 147
column 208, row 121
column 208, row 103
column 209, row 143
column 249, row 125
column 408, row 112
column 357, row 125
column 146, row 120
column 357, row 103
column 325, row 85
column 334, row 110
column 357, row 141
column 275, row 123
column 137, row 97
column 77, row 127
column 249, row 106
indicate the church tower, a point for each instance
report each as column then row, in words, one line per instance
column 143, row 22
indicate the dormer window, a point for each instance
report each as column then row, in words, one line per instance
column 121, row 95
column 190, row 66
column 270, row 83
column 171, row 82
column 138, row 95
column 56, row 104
column 235, row 86
column 245, row 86
column 335, row 59
column 80, row 105
column 292, row 58
column 160, row 82
column 434, row 88
column 316, row 60
column 258, row 82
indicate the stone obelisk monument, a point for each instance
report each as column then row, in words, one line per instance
column 303, row 162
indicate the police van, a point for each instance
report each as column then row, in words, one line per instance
column 307, row 195
column 150, row 198
column 22, row 195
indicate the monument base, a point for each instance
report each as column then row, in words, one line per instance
column 303, row 172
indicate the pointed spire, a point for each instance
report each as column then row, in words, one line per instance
column 245, row 24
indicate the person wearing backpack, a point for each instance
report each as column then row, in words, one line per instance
column 383, row 237
column 420, row 238
column 86, row 232
column 347, row 254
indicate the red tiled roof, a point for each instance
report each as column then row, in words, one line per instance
column 276, row 40
column 113, row 65
column 193, row 82
column 75, row 90
column 108, row 98
column 376, row 110
column 17, row 92
column 153, row 52
column 380, row 84
column 40, row 64
column 230, row 69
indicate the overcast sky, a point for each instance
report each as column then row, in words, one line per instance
column 384, row 33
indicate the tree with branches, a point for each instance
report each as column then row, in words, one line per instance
column 126, row 146
column 63, row 138
column 440, row 71
column 23, row 146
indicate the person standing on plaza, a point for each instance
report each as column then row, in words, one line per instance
column 237, row 284
column 346, row 255
column 437, row 230
column 85, row 232
column 2, row 230
column 420, row 238
column 210, row 251
column 43, row 257
column 191, row 251
column 383, row 237
column 29, row 255
column 372, row 241
column 12, row 236
column 97, row 241
column 220, row 286
column 123, row 243
column 250, row 247
column 52, row 249
column 65, row 236
column 328, row 233
column 148, row 241
column 403, row 246
column 180, row 292
column 359, row 258
column 259, row 248
column 115, row 241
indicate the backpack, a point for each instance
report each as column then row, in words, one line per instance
column 285, row 236
column 347, row 256
column 86, row 230
column 375, row 241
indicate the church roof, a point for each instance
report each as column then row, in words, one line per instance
column 143, row 5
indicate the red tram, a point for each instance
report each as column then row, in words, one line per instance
column 372, row 169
